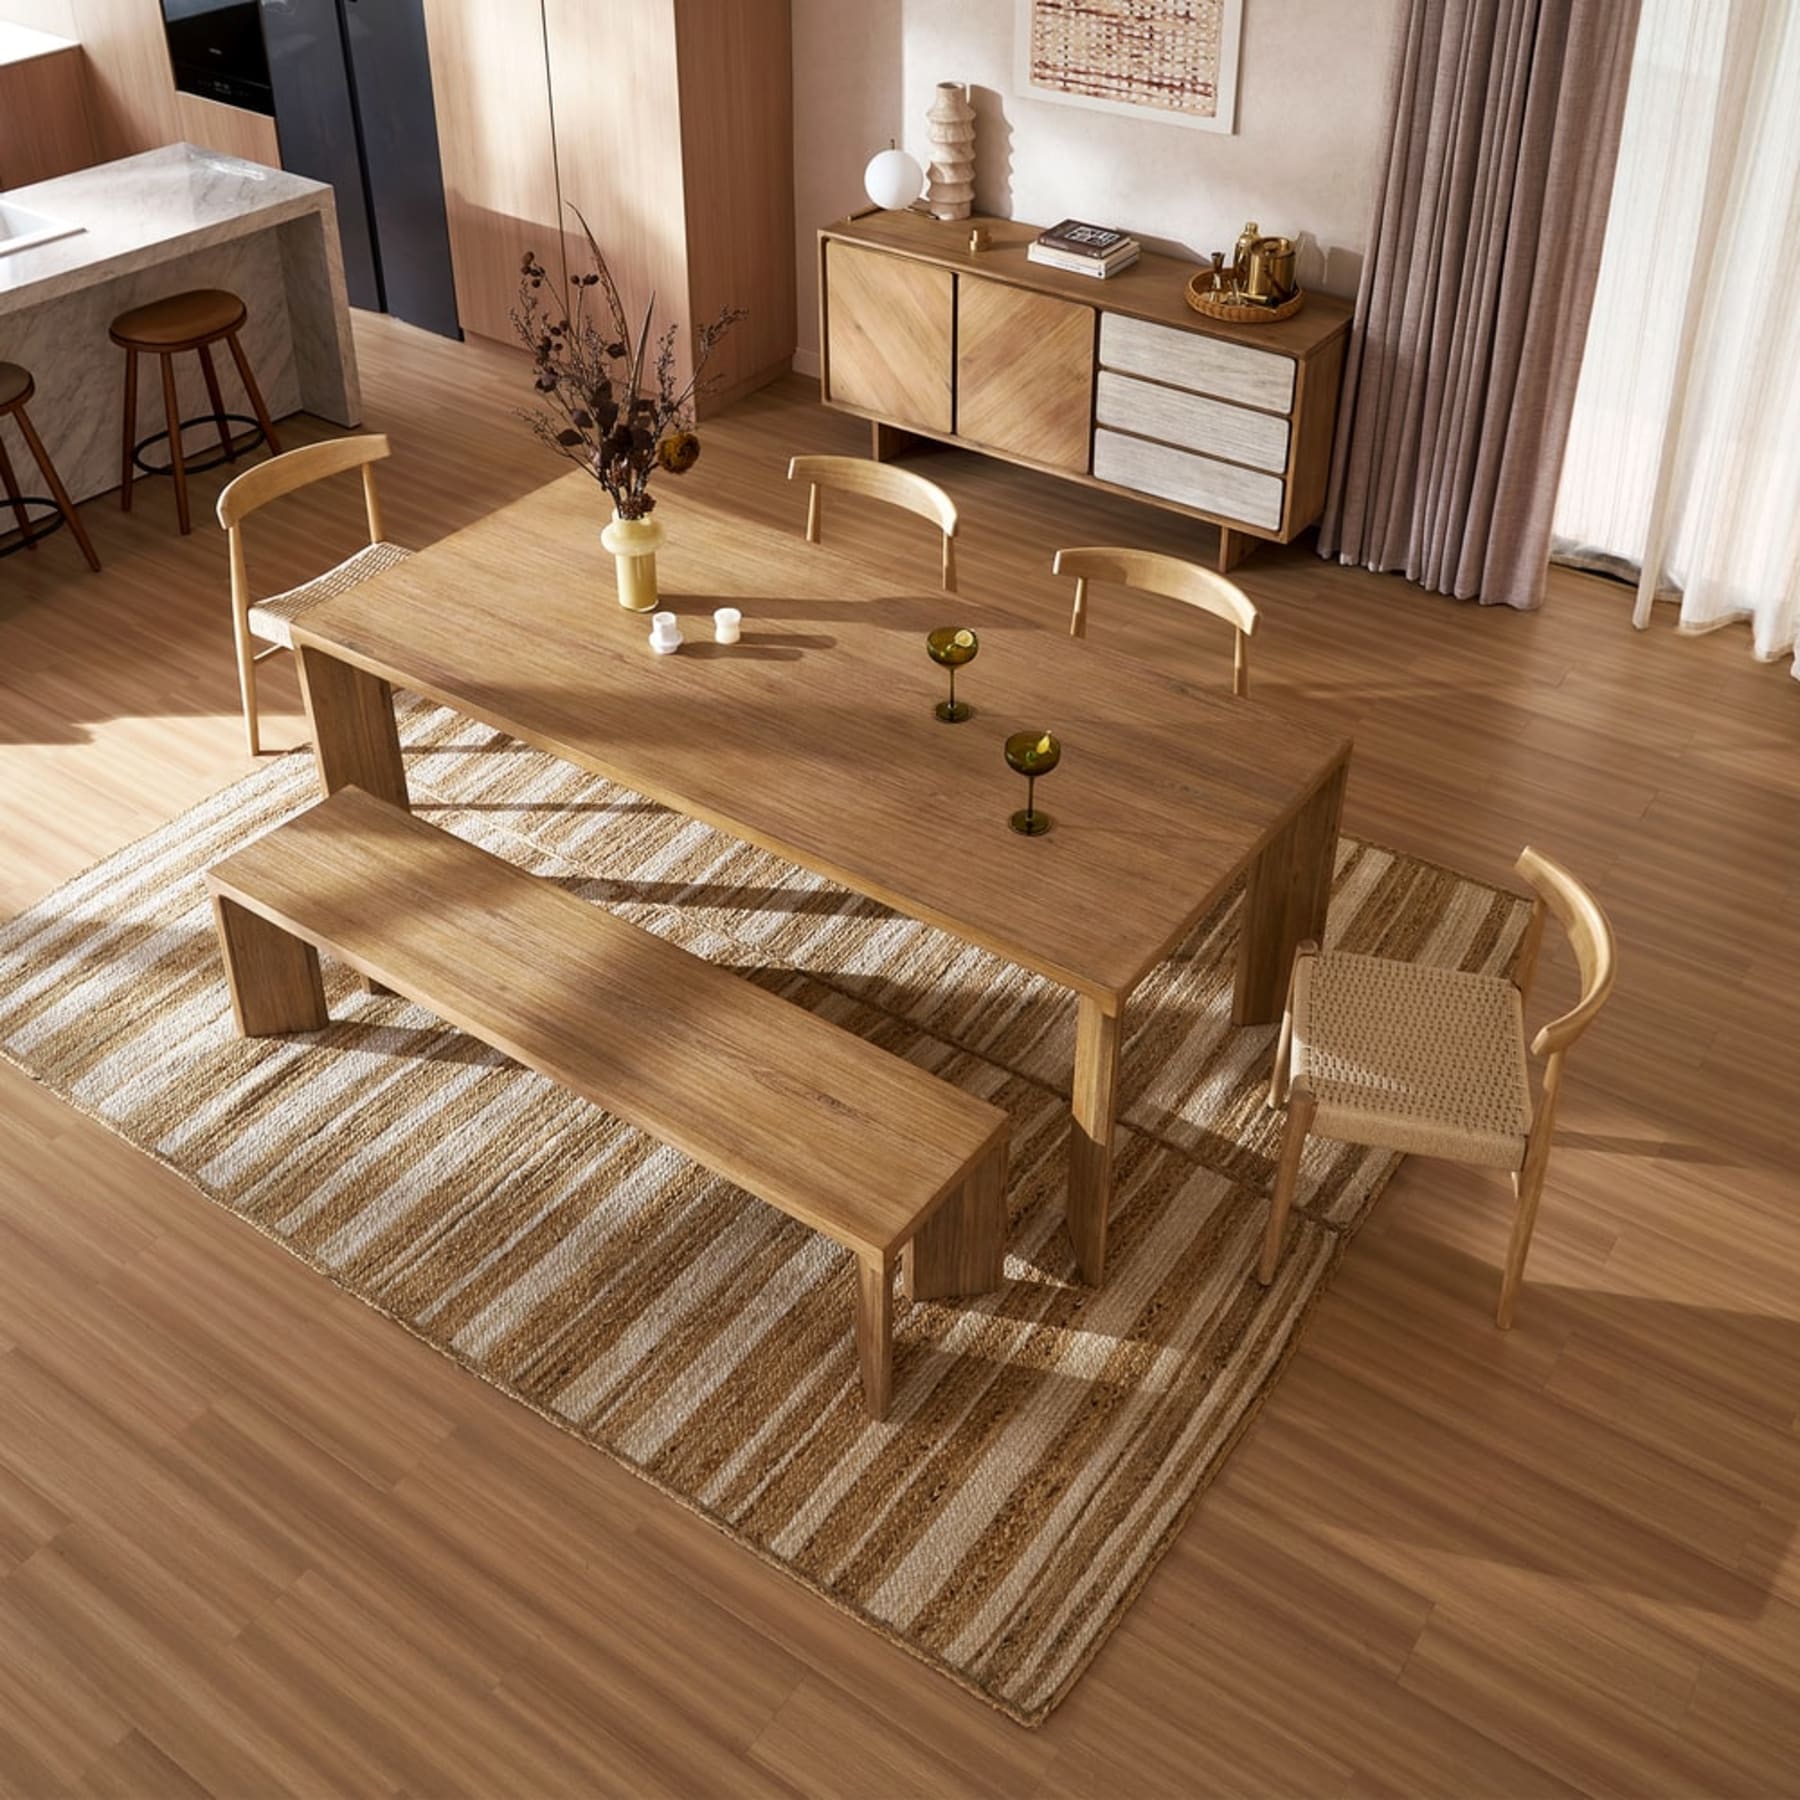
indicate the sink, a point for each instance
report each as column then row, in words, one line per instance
column 22, row 229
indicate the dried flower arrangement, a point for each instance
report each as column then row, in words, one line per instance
column 599, row 410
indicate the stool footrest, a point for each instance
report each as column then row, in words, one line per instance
column 256, row 435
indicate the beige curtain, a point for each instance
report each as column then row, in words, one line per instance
column 1683, row 469
column 1476, row 291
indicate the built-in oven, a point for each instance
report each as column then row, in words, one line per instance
column 216, row 48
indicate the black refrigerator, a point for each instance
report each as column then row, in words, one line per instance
column 352, row 88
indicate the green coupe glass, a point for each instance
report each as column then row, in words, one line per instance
column 1031, row 754
column 950, row 646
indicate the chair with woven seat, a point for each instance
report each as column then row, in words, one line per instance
column 195, row 321
column 16, row 390
column 272, row 618
column 1151, row 572
column 879, row 481
column 1434, row 1062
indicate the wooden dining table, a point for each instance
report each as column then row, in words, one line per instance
column 814, row 737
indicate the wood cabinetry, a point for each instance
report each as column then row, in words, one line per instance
column 496, row 151
column 667, row 123
column 890, row 340
column 1024, row 372
column 44, row 126
column 1117, row 384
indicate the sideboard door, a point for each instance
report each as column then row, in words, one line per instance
column 888, row 326
column 1024, row 373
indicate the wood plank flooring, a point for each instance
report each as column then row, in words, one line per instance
column 254, row 1540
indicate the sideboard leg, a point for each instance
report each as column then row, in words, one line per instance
column 1234, row 546
column 888, row 443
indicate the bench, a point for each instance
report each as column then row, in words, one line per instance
column 883, row 1158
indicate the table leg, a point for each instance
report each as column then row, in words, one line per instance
column 1285, row 901
column 961, row 1248
column 355, row 740
column 1099, row 1031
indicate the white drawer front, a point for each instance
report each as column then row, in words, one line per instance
column 1197, row 481
column 1207, row 365
column 1192, row 421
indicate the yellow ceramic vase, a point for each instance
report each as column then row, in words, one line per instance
column 634, row 543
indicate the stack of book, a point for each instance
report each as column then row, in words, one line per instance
column 1084, row 249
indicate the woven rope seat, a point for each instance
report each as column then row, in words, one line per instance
column 1412, row 1058
column 272, row 619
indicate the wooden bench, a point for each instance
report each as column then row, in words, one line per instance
column 878, row 1155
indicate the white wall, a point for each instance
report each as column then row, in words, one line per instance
column 1312, row 82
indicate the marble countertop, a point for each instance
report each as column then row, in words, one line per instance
column 21, row 44
column 144, row 210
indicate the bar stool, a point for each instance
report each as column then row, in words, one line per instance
column 16, row 388
column 191, row 321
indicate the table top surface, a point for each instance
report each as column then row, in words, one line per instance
column 815, row 738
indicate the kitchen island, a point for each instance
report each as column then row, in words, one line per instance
column 153, row 225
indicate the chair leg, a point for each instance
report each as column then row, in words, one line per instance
column 246, row 662
column 217, row 401
column 949, row 564
column 15, row 499
column 1299, row 1122
column 813, row 509
column 127, row 466
column 1528, row 1184
column 256, row 400
column 177, row 464
column 58, row 492
column 875, row 1333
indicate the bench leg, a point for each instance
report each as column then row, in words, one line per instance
column 274, row 976
column 961, row 1248
column 875, row 1333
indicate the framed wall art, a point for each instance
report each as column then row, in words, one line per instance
column 1173, row 60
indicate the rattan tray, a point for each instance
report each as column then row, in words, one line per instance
column 1235, row 311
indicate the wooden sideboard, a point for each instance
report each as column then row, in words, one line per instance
column 1119, row 384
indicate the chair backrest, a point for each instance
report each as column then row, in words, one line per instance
column 1154, row 573
column 879, row 481
column 282, row 475
column 1590, row 936
column 301, row 468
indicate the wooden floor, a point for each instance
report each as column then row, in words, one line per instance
column 255, row 1540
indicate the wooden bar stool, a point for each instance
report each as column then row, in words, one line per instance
column 192, row 321
column 16, row 388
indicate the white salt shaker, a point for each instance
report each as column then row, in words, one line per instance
column 665, row 633
column 726, row 623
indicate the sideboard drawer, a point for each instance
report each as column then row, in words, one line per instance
column 1192, row 421
column 1180, row 475
column 1188, row 359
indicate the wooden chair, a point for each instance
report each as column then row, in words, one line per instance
column 1153, row 573
column 878, row 481
column 272, row 619
column 1433, row 1061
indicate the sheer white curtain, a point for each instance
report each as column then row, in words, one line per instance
column 1683, row 464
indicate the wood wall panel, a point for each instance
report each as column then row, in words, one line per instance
column 613, row 89
column 492, row 92
column 45, row 129
column 1024, row 372
column 735, row 61
column 231, row 130
column 131, row 87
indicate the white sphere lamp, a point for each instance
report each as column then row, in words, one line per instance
column 893, row 179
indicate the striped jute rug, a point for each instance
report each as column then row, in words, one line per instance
column 1046, row 1441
